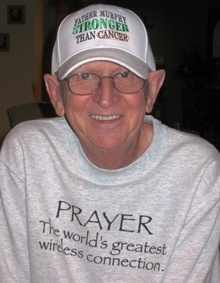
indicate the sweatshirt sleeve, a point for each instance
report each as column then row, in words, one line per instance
column 14, row 263
column 196, row 254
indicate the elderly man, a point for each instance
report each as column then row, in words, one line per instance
column 105, row 193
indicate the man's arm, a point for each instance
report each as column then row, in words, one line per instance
column 196, row 255
column 14, row 259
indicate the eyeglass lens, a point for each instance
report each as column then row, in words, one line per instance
column 88, row 83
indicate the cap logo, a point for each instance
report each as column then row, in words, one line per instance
column 100, row 24
column 102, row 32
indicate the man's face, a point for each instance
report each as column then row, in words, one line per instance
column 106, row 119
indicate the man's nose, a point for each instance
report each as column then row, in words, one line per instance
column 106, row 95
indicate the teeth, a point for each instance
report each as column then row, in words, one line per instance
column 105, row 118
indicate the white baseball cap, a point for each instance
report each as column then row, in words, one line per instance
column 102, row 32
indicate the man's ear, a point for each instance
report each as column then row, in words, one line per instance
column 53, row 90
column 155, row 82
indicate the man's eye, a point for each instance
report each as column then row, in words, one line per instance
column 124, row 75
column 85, row 76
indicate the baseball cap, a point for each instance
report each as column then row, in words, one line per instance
column 102, row 32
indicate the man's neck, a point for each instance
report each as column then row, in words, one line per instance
column 119, row 157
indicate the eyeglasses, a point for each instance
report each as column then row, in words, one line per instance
column 88, row 83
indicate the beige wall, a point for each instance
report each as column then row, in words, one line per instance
column 18, row 66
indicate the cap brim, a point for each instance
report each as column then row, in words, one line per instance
column 121, row 57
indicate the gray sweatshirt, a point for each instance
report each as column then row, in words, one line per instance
column 62, row 219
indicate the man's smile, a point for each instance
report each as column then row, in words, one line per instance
column 105, row 118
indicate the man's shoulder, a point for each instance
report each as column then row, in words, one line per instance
column 192, row 144
column 35, row 131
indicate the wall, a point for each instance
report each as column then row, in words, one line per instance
column 17, row 66
column 177, row 25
